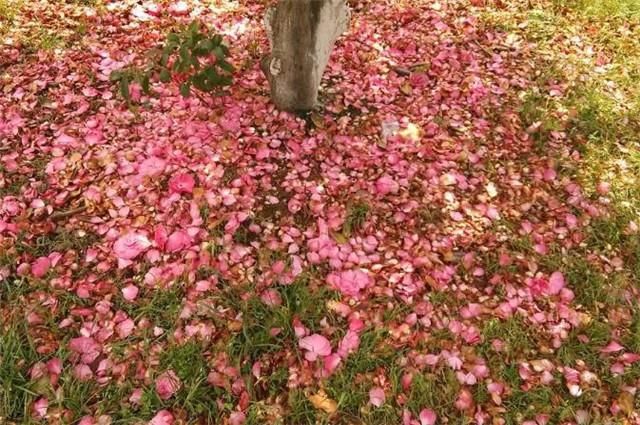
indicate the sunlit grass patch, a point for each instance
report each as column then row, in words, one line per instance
column 8, row 11
column 602, row 9
column 594, row 290
column 42, row 38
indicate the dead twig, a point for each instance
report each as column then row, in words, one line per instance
column 59, row 215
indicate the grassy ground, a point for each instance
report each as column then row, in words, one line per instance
column 599, row 112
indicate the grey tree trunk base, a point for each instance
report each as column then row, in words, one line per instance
column 302, row 34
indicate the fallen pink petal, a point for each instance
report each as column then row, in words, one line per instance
column 377, row 396
column 292, row 211
column 315, row 346
column 167, row 384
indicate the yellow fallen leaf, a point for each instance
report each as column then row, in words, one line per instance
column 322, row 402
column 340, row 238
column 75, row 157
column 198, row 193
column 406, row 89
column 492, row 191
column 626, row 402
column 412, row 132
column 318, row 120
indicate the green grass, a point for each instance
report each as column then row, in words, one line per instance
column 632, row 338
column 298, row 300
column 519, row 337
column 357, row 214
column 161, row 306
column 61, row 240
column 8, row 11
column 14, row 185
column 572, row 350
column 437, row 391
column 17, row 355
column 603, row 9
column 196, row 395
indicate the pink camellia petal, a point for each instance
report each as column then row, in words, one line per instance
column 237, row 418
column 348, row 344
column 330, row 364
column 130, row 292
column 54, row 366
column 386, row 185
column 167, row 384
column 350, row 282
column 87, row 347
column 427, row 417
column 550, row 174
column 603, row 188
column 271, row 297
column 406, row 381
column 178, row 241
column 182, row 183
column 406, row 418
column 376, row 396
column 87, row 420
column 160, row 236
column 316, row 345
column 125, row 328
column 612, row 347
column 40, row 407
column 136, row 396
column 629, row 358
column 82, row 372
column 152, row 166
column 40, row 267
column 163, row 417
column 465, row 400
column 556, row 283
column 131, row 245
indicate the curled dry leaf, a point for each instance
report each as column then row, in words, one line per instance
column 321, row 401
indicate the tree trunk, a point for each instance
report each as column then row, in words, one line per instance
column 302, row 34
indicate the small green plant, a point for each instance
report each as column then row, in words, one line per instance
column 195, row 58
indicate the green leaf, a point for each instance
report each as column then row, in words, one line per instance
column 173, row 38
column 218, row 52
column 165, row 75
column 199, row 82
column 217, row 39
column 185, row 89
column 212, row 75
column 194, row 28
column 225, row 65
column 203, row 47
column 185, row 59
column 115, row 75
column 124, row 89
column 145, row 83
column 164, row 59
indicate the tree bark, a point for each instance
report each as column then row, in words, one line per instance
column 302, row 34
